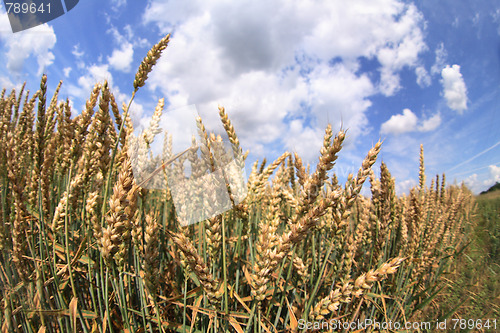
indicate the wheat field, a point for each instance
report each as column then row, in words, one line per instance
column 84, row 248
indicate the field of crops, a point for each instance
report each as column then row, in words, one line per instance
column 85, row 249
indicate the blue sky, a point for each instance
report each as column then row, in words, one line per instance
column 406, row 72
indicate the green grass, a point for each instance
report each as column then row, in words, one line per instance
column 473, row 285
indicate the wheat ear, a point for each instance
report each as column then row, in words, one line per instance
column 149, row 61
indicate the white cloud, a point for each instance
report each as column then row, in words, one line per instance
column 365, row 28
column 118, row 4
column 423, row 77
column 118, row 38
column 96, row 73
column 430, row 124
column 389, row 82
column 258, row 103
column 495, row 173
column 338, row 96
column 301, row 140
column 477, row 183
column 6, row 83
column 66, row 71
column 454, row 89
column 404, row 187
column 122, row 58
column 409, row 44
column 137, row 41
column 400, row 123
column 440, row 60
column 37, row 41
column 99, row 74
column 80, row 64
column 408, row 122
column 473, row 183
column 4, row 22
column 77, row 52
column 269, row 62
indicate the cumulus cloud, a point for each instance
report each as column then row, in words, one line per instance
column 478, row 183
column 122, row 58
column 494, row 173
column 409, row 122
column 389, row 82
column 454, row 89
column 430, row 124
column 301, row 139
column 473, row 183
column 37, row 42
column 269, row 63
column 400, row 123
column 336, row 94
